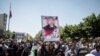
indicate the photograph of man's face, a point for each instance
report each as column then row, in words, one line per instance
column 50, row 27
column 51, row 22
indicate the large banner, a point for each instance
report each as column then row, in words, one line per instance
column 50, row 28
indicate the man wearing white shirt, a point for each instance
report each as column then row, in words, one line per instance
column 89, row 55
column 96, row 51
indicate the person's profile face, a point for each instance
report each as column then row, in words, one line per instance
column 51, row 21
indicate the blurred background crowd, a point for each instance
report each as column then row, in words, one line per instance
column 82, row 47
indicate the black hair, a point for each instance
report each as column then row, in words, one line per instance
column 97, row 46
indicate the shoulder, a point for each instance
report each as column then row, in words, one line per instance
column 93, row 51
column 89, row 55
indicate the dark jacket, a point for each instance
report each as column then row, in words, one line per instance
column 52, row 52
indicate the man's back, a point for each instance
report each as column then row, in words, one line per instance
column 94, row 52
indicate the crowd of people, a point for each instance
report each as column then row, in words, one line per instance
column 70, row 48
column 10, row 47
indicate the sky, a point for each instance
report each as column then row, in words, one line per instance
column 26, row 14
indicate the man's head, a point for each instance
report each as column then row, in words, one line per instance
column 51, row 45
column 47, row 46
column 51, row 21
column 72, row 48
column 97, row 48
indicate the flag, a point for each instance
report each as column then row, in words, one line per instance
column 10, row 12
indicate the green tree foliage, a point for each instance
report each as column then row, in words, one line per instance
column 89, row 27
column 92, row 22
column 38, row 35
column 28, row 37
column 7, row 34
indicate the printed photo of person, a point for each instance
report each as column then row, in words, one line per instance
column 50, row 27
